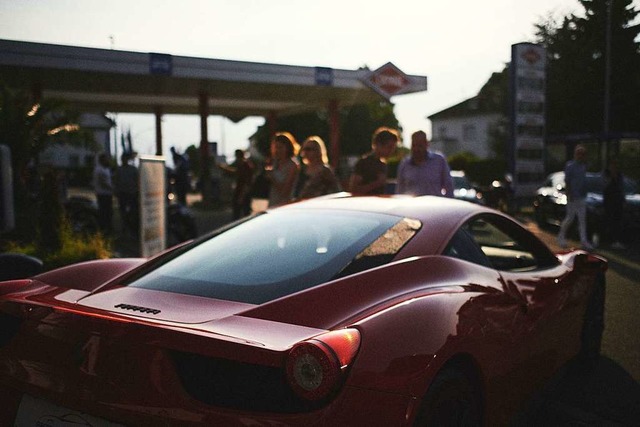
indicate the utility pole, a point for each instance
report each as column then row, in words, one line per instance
column 607, row 83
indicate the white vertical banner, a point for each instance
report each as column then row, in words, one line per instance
column 153, row 199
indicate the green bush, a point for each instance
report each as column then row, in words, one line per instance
column 73, row 248
column 462, row 160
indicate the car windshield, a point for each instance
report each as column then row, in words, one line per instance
column 282, row 252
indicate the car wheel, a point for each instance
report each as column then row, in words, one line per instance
column 593, row 324
column 451, row 400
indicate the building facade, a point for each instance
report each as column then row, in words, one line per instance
column 468, row 126
column 67, row 156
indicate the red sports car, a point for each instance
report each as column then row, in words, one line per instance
column 338, row 311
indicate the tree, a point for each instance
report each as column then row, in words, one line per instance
column 27, row 127
column 577, row 62
column 357, row 124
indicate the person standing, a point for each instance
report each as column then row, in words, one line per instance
column 283, row 170
column 575, row 175
column 126, row 186
column 613, row 201
column 424, row 172
column 242, row 170
column 104, row 193
column 316, row 178
column 370, row 172
column 181, row 175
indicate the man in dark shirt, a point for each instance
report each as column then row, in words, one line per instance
column 370, row 172
column 242, row 170
column 126, row 186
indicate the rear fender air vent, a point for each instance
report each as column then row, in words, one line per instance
column 139, row 309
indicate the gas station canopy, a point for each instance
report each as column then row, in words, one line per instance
column 134, row 82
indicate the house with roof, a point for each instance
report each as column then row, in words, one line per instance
column 68, row 156
column 475, row 124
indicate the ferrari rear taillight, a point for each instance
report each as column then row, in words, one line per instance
column 315, row 368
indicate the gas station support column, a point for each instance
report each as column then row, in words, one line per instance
column 205, row 174
column 334, row 133
column 272, row 123
column 158, row 114
column 36, row 92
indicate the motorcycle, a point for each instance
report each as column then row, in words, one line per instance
column 181, row 224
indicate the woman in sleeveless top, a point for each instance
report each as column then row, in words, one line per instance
column 316, row 178
column 284, row 169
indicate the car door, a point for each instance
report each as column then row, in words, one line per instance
column 544, row 289
column 516, row 315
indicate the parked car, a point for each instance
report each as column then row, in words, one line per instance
column 339, row 310
column 464, row 190
column 17, row 265
column 551, row 201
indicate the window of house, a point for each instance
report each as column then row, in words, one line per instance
column 442, row 132
column 469, row 132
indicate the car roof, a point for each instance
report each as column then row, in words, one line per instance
column 440, row 216
column 423, row 208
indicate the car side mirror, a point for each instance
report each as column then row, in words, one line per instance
column 18, row 266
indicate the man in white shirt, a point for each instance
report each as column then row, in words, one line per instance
column 424, row 172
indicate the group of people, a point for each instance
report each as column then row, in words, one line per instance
column 291, row 180
column 576, row 191
column 293, row 171
column 124, row 184
column 422, row 173
column 300, row 171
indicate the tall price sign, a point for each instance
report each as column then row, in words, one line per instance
column 527, row 102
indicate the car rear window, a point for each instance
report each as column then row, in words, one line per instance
column 282, row 252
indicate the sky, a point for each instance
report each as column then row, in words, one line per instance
column 456, row 44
